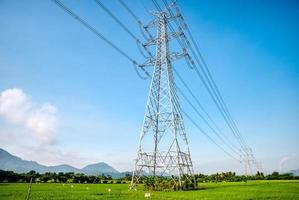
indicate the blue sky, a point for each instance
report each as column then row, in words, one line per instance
column 95, row 101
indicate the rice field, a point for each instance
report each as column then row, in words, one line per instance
column 287, row 190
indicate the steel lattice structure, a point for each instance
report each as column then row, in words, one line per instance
column 163, row 147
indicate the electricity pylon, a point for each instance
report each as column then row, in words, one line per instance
column 249, row 162
column 163, row 147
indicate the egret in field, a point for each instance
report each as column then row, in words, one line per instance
column 147, row 195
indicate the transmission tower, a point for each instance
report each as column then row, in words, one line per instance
column 249, row 162
column 163, row 147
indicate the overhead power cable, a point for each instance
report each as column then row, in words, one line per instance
column 182, row 45
column 99, row 3
column 206, row 81
column 208, row 74
column 203, row 79
column 97, row 33
column 218, row 132
column 174, row 87
column 137, row 20
column 123, row 53
column 196, row 99
column 207, row 135
column 213, row 130
column 205, row 70
column 116, row 19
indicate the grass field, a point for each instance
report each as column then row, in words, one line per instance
column 287, row 190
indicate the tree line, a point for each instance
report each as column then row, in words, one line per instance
column 52, row 177
column 70, row 177
column 232, row 177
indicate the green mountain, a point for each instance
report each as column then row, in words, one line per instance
column 99, row 168
column 295, row 172
column 10, row 162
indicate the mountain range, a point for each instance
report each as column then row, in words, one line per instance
column 10, row 162
column 295, row 172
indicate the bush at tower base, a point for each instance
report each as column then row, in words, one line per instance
column 169, row 183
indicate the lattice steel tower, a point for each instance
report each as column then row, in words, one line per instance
column 163, row 147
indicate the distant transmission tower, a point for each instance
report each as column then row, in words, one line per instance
column 249, row 162
column 163, row 147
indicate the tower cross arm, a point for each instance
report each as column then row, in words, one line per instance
column 177, row 55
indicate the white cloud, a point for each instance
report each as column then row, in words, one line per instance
column 17, row 108
column 13, row 105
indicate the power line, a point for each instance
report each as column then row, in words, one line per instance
column 159, row 8
column 135, row 17
column 196, row 99
column 198, row 127
column 232, row 124
column 126, row 7
column 203, row 79
column 213, row 130
column 175, row 87
column 211, row 81
column 129, row 10
column 210, row 87
column 99, row 3
column 218, row 132
column 123, row 53
column 97, row 33
column 92, row 29
column 116, row 19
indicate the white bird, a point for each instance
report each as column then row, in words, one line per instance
column 147, row 195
